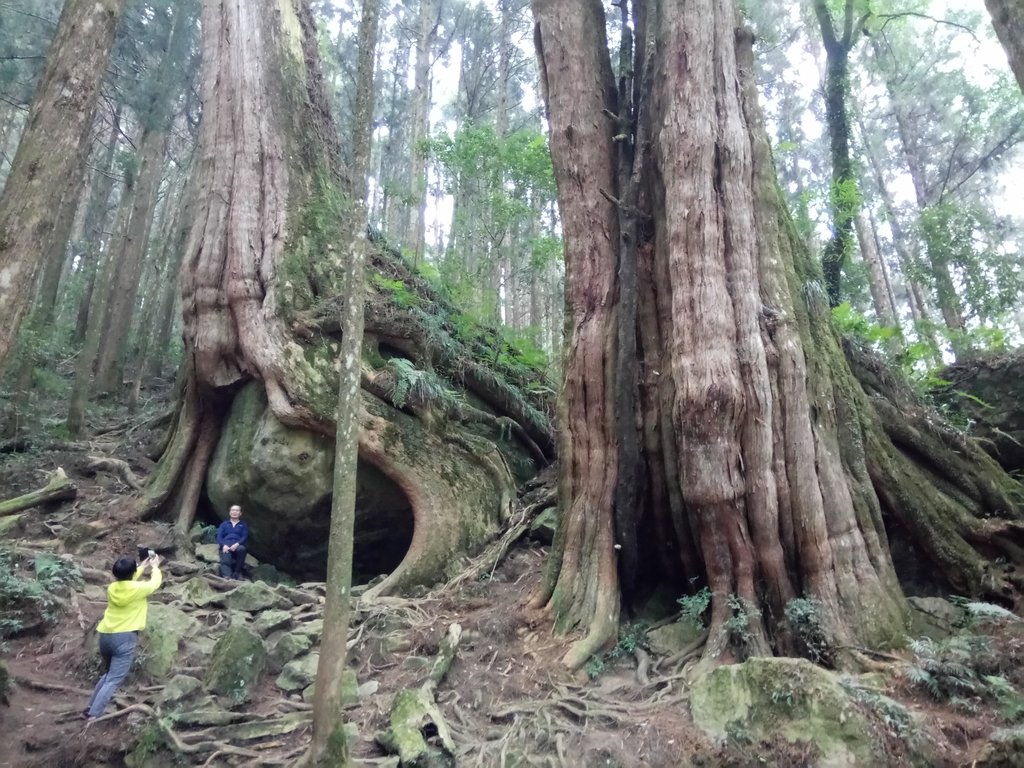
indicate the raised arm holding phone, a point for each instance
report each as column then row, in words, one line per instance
column 122, row 621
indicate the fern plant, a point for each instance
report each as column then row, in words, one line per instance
column 413, row 386
column 953, row 669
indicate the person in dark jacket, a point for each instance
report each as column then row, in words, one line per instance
column 232, row 536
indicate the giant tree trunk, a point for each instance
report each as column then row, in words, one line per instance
column 262, row 283
column 51, row 151
column 1008, row 20
column 770, row 470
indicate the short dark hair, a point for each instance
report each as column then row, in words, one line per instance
column 124, row 568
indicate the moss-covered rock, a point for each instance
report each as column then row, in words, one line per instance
column 298, row 673
column 673, row 637
column 286, row 648
column 254, row 596
column 543, row 527
column 167, row 629
column 180, row 688
column 271, row 621
column 198, row 592
column 350, row 689
column 281, row 476
column 765, row 698
column 237, row 662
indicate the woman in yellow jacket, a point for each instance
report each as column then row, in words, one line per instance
column 119, row 628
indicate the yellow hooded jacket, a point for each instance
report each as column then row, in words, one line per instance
column 126, row 603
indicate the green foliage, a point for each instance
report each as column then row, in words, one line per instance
column 413, row 386
column 32, row 602
column 851, row 322
column 148, row 742
column 402, row 297
column 970, row 242
column 595, row 666
column 960, row 670
column 518, row 351
column 737, row 626
column 693, row 607
column 805, row 617
column 501, row 185
column 893, row 715
column 631, row 637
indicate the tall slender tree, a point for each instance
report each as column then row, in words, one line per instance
column 51, row 152
column 329, row 746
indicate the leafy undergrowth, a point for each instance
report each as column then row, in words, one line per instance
column 506, row 698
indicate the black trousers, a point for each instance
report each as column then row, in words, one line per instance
column 231, row 563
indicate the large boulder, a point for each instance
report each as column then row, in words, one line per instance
column 792, row 698
column 167, row 629
column 283, row 479
column 425, row 495
column 254, row 596
column 238, row 660
column 286, row 648
column 298, row 674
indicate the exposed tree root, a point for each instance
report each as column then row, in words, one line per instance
column 488, row 560
column 415, row 710
column 117, row 467
column 58, row 488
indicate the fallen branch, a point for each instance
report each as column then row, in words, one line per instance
column 58, row 488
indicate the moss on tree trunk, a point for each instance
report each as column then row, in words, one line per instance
column 770, row 466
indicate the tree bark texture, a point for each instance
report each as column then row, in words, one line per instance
column 427, row 32
column 884, row 311
column 263, row 282
column 768, row 469
column 843, row 195
column 576, row 76
column 52, row 149
column 1008, row 21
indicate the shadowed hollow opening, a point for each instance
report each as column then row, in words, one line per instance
column 298, row 547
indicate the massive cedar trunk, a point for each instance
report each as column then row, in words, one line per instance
column 262, row 279
column 770, row 469
column 52, row 149
column 265, row 146
column 1008, row 20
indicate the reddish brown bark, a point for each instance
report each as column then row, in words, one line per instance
column 577, row 80
column 768, row 468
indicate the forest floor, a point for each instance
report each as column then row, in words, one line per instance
column 506, row 698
